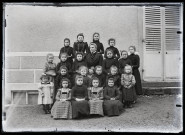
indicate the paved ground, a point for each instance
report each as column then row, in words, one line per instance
column 150, row 114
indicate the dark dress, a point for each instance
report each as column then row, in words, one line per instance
column 136, row 63
column 112, row 107
column 117, row 80
column 107, row 63
column 80, row 47
column 79, row 107
column 67, row 64
column 122, row 63
column 69, row 51
column 115, row 52
column 100, row 48
column 101, row 78
column 94, row 59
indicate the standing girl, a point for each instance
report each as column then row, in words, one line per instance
column 96, row 97
column 79, row 96
column 67, row 49
column 100, row 48
column 45, row 89
column 112, row 106
column 128, row 90
column 50, row 67
column 135, row 66
column 62, row 107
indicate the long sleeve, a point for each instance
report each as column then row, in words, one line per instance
column 137, row 62
column 101, row 94
column 86, row 94
column 89, row 93
column 86, row 48
column 117, row 94
column 105, row 94
column 117, row 53
column 69, row 95
column 100, row 60
column 45, row 69
column 133, row 81
column 72, row 94
column 101, row 48
column 58, row 95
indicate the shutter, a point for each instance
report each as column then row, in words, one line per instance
column 172, row 25
column 153, row 28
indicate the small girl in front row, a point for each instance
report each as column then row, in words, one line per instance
column 128, row 90
column 45, row 89
column 95, row 94
column 62, row 107
column 50, row 67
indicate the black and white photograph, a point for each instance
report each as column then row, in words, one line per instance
column 92, row 67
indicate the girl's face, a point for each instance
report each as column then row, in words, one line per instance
column 80, row 38
column 124, row 55
column 112, row 43
column 98, row 71
column 63, row 72
column 109, row 54
column 63, row 58
column 131, row 49
column 65, row 84
column 113, row 71
column 95, row 83
column 45, row 79
column 66, row 43
column 111, row 83
column 96, row 37
column 50, row 59
column 127, row 70
column 83, row 72
column 79, row 57
column 92, row 48
column 79, row 81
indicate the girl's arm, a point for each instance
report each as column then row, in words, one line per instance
column 101, row 94
column 137, row 62
column 58, row 95
column 117, row 94
column 101, row 48
column 105, row 94
column 133, row 82
column 100, row 59
column 69, row 95
column 45, row 69
column 117, row 53
column 86, row 94
column 72, row 94
column 89, row 93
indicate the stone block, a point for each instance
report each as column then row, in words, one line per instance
column 38, row 75
column 12, row 62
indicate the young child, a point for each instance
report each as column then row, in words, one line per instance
column 109, row 61
column 114, row 74
column 100, row 48
column 112, row 105
column 95, row 94
column 128, row 82
column 50, row 67
column 100, row 75
column 80, row 46
column 135, row 68
column 123, row 61
column 62, row 107
column 112, row 43
column 45, row 89
column 59, row 77
column 67, row 49
column 79, row 96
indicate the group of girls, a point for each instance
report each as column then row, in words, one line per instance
column 85, row 83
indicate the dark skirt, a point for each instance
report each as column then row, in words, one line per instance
column 128, row 94
column 80, row 108
column 112, row 107
column 138, row 86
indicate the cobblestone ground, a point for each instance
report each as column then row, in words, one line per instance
column 150, row 114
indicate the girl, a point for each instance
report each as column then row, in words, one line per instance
column 80, row 46
column 79, row 96
column 100, row 75
column 123, row 61
column 67, row 49
column 45, row 89
column 128, row 82
column 112, row 106
column 111, row 43
column 135, row 66
column 62, row 107
column 59, row 77
column 50, row 67
column 63, row 62
column 83, row 72
column 95, row 94
column 100, row 48
column 93, row 58
column 109, row 61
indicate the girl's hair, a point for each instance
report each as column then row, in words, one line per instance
column 77, row 77
column 111, row 39
column 64, row 53
column 110, row 79
column 114, row 67
column 98, row 66
column 81, row 53
column 64, row 79
column 94, row 78
column 44, row 76
column 80, row 34
column 96, row 33
column 49, row 54
column 108, row 50
column 63, row 67
column 123, row 51
column 93, row 45
column 67, row 39
column 128, row 66
column 133, row 47
column 83, row 67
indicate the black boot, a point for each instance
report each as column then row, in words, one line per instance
column 130, row 104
